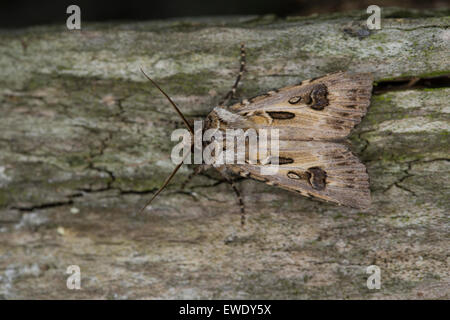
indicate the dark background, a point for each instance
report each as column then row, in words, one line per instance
column 22, row 13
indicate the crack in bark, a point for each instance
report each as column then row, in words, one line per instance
column 91, row 165
column 43, row 206
column 398, row 185
column 407, row 175
column 121, row 191
column 366, row 141
column 416, row 28
column 411, row 83
column 128, row 191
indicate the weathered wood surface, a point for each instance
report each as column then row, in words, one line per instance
column 84, row 141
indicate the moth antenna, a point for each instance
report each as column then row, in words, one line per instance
column 170, row 100
column 162, row 187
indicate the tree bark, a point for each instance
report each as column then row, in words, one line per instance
column 84, row 142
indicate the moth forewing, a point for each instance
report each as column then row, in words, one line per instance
column 326, row 108
column 321, row 169
column 313, row 118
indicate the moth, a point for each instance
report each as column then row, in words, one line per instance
column 313, row 118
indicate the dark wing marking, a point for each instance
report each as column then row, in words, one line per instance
column 326, row 108
column 320, row 169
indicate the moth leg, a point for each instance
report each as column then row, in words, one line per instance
column 231, row 93
column 238, row 195
column 196, row 171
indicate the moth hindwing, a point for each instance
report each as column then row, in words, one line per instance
column 313, row 119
